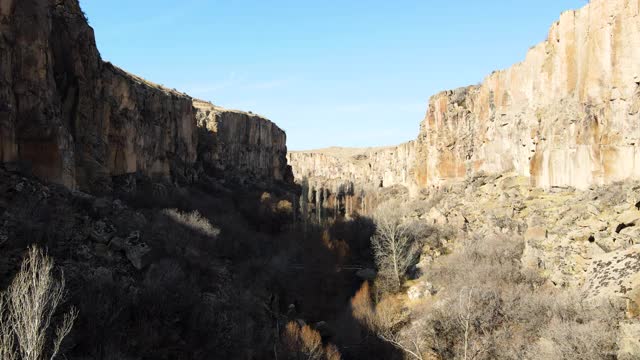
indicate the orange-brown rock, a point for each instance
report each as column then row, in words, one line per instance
column 567, row 115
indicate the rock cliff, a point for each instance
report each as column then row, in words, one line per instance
column 70, row 118
column 566, row 115
column 347, row 180
column 377, row 167
column 236, row 141
column 74, row 119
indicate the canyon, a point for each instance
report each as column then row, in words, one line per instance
column 141, row 193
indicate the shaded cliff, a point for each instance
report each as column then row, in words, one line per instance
column 240, row 142
column 70, row 118
column 74, row 119
column 566, row 115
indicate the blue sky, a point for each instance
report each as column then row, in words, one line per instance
column 330, row 72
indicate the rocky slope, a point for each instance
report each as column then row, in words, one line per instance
column 73, row 119
column 581, row 241
column 566, row 115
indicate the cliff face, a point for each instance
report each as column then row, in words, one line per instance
column 567, row 115
column 70, row 118
column 235, row 141
column 74, row 119
column 377, row 167
column 343, row 181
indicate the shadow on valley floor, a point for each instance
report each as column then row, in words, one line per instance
column 205, row 272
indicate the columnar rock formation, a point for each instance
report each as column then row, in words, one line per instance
column 567, row 115
column 241, row 142
column 74, row 119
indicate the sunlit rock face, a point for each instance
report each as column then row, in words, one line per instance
column 344, row 181
column 377, row 167
column 236, row 141
column 567, row 115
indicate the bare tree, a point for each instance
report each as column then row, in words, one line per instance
column 7, row 340
column 391, row 319
column 393, row 245
column 465, row 317
column 303, row 342
column 26, row 311
column 386, row 320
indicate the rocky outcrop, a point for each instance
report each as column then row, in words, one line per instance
column 588, row 240
column 233, row 141
column 567, row 115
column 70, row 118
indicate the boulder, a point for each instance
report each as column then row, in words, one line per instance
column 138, row 255
column 420, row 290
column 629, row 217
column 102, row 232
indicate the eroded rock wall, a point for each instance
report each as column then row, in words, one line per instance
column 344, row 181
column 378, row 167
column 74, row 119
column 240, row 142
column 70, row 118
column 567, row 115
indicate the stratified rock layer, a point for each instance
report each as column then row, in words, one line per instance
column 567, row 115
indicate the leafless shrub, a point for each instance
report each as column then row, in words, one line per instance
column 488, row 308
column 394, row 248
column 303, row 342
column 27, row 310
column 193, row 220
column 386, row 320
column 7, row 339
